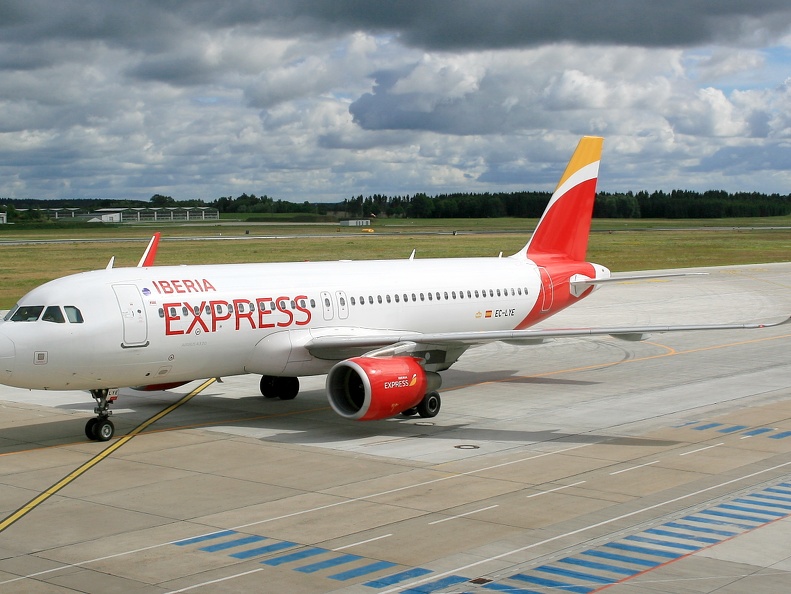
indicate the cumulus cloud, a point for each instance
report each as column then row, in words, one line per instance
column 316, row 100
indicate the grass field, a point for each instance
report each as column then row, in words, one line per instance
column 617, row 244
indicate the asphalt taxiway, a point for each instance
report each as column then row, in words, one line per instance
column 579, row 465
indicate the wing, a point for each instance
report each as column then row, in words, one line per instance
column 342, row 344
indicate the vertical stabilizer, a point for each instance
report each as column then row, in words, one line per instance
column 151, row 251
column 562, row 232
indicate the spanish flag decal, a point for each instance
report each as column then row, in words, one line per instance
column 488, row 313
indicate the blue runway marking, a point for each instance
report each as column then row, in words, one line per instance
column 438, row 585
column 273, row 548
column 752, row 510
column 531, row 579
column 663, row 543
column 360, row 571
column 642, row 550
column 780, row 435
column 335, row 561
column 576, row 575
column 397, row 578
column 232, row 544
column 585, row 572
column 205, row 537
column 693, row 528
column 771, row 497
column 660, row 532
column 297, row 556
column 601, row 566
column 759, row 431
column 721, row 514
column 622, row 558
column 764, row 503
column 733, row 429
column 707, row 426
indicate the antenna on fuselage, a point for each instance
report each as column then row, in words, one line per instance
column 110, row 263
column 412, row 255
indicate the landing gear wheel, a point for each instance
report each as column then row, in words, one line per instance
column 288, row 388
column 90, row 428
column 104, row 430
column 267, row 386
column 430, row 405
column 101, row 428
column 410, row 412
column 285, row 388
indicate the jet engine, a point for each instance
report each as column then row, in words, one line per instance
column 371, row 388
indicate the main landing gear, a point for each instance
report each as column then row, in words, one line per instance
column 101, row 428
column 285, row 388
column 428, row 407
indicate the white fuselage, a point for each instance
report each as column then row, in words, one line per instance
column 159, row 325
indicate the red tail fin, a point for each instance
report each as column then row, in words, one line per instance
column 564, row 227
column 151, row 251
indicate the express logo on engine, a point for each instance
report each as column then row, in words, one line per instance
column 401, row 382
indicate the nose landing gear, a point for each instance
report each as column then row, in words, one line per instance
column 101, row 428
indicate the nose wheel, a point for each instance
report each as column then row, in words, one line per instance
column 101, row 428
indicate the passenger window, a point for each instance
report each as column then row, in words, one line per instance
column 438, row 298
column 430, row 297
column 370, row 299
column 313, row 303
column 196, row 309
column 27, row 313
column 73, row 314
column 476, row 293
column 413, row 297
column 161, row 313
column 498, row 292
column 352, row 300
column 396, row 297
column 422, row 297
column 519, row 290
column 343, row 302
column 184, row 311
column 387, row 298
column 379, row 299
column 326, row 302
column 454, row 294
column 469, row 295
column 53, row 314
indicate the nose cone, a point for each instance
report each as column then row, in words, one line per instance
column 6, row 358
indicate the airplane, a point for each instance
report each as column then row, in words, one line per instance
column 382, row 330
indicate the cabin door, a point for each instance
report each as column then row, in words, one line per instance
column 133, row 314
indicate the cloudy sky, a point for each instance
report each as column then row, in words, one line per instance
column 322, row 100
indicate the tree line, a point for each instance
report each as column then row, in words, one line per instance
column 677, row 204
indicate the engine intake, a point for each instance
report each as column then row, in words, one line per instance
column 371, row 388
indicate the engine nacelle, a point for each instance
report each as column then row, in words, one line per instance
column 371, row 388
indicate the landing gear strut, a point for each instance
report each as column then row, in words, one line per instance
column 101, row 428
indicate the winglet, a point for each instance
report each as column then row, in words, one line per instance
column 151, row 251
column 565, row 225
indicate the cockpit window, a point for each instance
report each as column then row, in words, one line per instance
column 53, row 314
column 9, row 314
column 27, row 313
column 73, row 314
